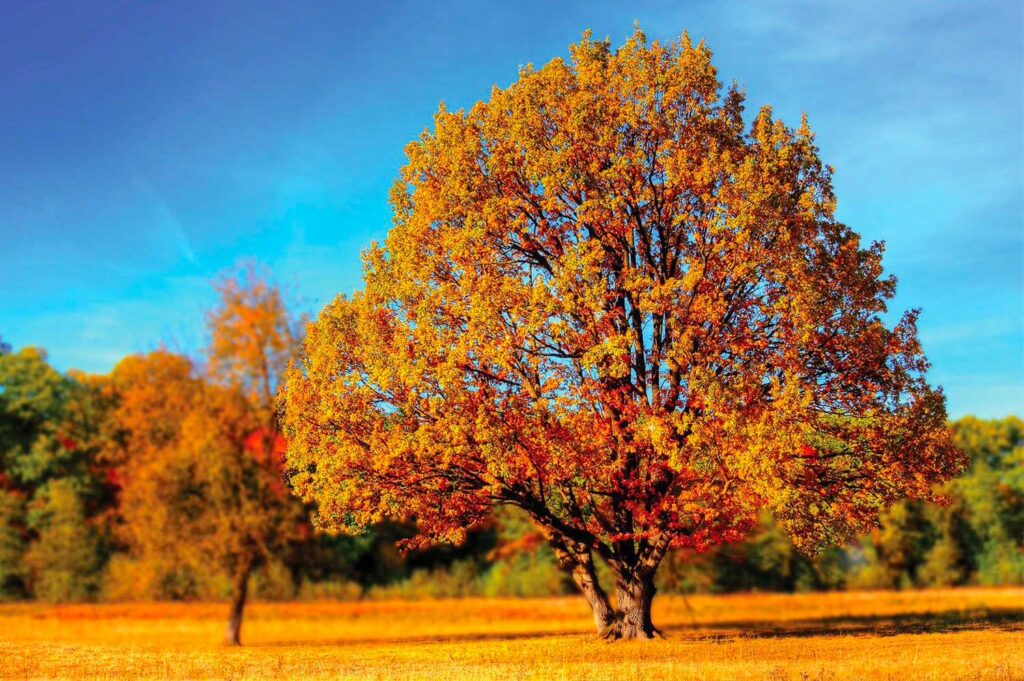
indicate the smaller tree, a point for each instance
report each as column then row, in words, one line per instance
column 249, row 515
column 32, row 402
column 990, row 498
column 199, row 491
column 201, row 453
column 252, row 340
column 153, row 393
column 54, row 489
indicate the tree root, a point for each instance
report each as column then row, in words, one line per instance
column 619, row 630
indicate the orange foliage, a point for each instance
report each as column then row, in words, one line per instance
column 200, row 457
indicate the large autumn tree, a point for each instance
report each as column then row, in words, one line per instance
column 607, row 300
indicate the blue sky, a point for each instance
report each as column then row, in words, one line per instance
column 145, row 147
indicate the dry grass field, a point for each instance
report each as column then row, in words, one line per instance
column 939, row 635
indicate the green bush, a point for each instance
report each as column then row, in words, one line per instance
column 458, row 580
column 273, row 582
column 942, row 565
column 332, row 590
column 64, row 561
column 1001, row 564
column 525, row 575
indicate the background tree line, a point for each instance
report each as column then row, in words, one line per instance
column 162, row 480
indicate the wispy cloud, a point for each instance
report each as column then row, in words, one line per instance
column 165, row 221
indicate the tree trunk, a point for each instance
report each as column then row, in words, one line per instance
column 634, row 588
column 240, row 590
column 578, row 563
column 634, row 595
column 586, row 580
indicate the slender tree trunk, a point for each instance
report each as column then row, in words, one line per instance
column 579, row 564
column 240, row 591
column 585, row 577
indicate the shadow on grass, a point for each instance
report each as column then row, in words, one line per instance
column 990, row 619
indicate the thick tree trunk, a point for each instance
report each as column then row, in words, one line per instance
column 240, row 591
column 634, row 588
column 633, row 598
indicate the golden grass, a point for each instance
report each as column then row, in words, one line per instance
column 936, row 635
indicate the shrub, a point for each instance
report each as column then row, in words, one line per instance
column 64, row 561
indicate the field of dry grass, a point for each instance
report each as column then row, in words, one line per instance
column 939, row 635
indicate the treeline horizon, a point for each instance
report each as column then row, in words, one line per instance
column 163, row 480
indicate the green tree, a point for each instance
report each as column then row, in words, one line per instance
column 49, row 446
column 64, row 561
column 12, row 545
column 894, row 551
column 975, row 535
column 32, row 399
column 522, row 563
column 991, row 494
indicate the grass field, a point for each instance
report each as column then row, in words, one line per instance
column 940, row 635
